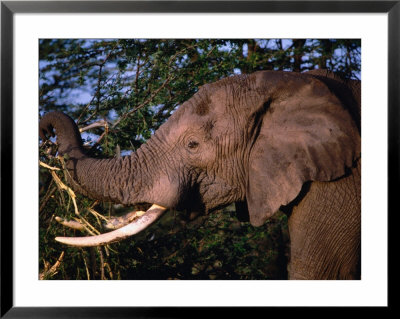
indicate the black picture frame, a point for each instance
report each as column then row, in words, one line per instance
column 9, row 8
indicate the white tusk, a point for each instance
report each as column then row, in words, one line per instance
column 151, row 215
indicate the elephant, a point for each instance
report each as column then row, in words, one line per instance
column 268, row 140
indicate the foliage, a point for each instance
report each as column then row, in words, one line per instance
column 125, row 89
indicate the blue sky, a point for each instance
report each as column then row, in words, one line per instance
column 84, row 94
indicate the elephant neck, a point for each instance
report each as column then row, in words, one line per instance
column 325, row 230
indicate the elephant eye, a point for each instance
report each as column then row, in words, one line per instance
column 193, row 144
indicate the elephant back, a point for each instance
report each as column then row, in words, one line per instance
column 348, row 91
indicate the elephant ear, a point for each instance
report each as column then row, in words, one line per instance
column 306, row 134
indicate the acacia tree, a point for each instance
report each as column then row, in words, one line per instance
column 120, row 92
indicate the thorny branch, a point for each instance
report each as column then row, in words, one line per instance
column 154, row 94
column 53, row 270
column 79, row 223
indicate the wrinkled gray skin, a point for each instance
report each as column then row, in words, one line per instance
column 268, row 140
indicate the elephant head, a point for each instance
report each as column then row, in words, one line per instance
column 250, row 138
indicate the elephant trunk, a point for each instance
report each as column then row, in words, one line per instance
column 68, row 136
column 115, row 179
column 112, row 179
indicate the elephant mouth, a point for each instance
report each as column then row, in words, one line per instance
column 123, row 229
